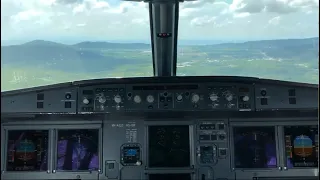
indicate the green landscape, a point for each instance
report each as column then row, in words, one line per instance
column 39, row 62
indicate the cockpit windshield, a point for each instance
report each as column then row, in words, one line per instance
column 273, row 39
column 54, row 41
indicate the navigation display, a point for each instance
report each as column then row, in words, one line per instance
column 27, row 150
column 169, row 146
column 301, row 146
column 77, row 150
column 254, row 147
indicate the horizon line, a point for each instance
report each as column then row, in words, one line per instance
column 144, row 41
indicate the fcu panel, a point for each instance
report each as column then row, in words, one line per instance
column 285, row 97
column 166, row 97
column 47, row 101
column 101, row 99
column 190, row 97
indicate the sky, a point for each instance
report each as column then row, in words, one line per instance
column 107, row 20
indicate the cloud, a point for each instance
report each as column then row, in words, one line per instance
column 201, row 21
column 124, row 20
column 275, row 6
column 275, row 20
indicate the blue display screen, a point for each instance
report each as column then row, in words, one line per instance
column 131, row 152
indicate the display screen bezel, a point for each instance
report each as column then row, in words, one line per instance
column 284, row 146
column 172, row 123
column 100, row 146
column 232, row 127
column 5, row 149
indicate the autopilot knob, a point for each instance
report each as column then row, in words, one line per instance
column 85, row 101
column 117, row 99
column 213, row 97
column 245, row 98
column 195, row 98
column 137, row 99
column 102, row 99
column 229, row 96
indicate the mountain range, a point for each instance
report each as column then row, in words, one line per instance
column 96, row 56
column 42, row 62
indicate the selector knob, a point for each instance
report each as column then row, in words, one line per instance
column 179, row 97
column 137, row 99
column 85, row 101
column 229, row 96
column 213, row 97
column 102, row 99
column 195, row 98
column 245, row 98
column 150, row 99
column 222, row 136
column 117, row 99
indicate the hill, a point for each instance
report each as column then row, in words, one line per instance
column 82, row 57
column 43, row 62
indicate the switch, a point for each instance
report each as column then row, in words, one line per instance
column 292, row 101
column 162, row 99
column 40, row 97
column 111, row 166
column 67, row 104
column 222, row 137
column 39, row 105
column 264, row 101
column 292, row 92
column 222, row 152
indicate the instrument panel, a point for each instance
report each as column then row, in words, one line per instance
column 148, row 149
column 144, row 95
column 139, row 130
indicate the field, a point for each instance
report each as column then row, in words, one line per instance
column 40, row 62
